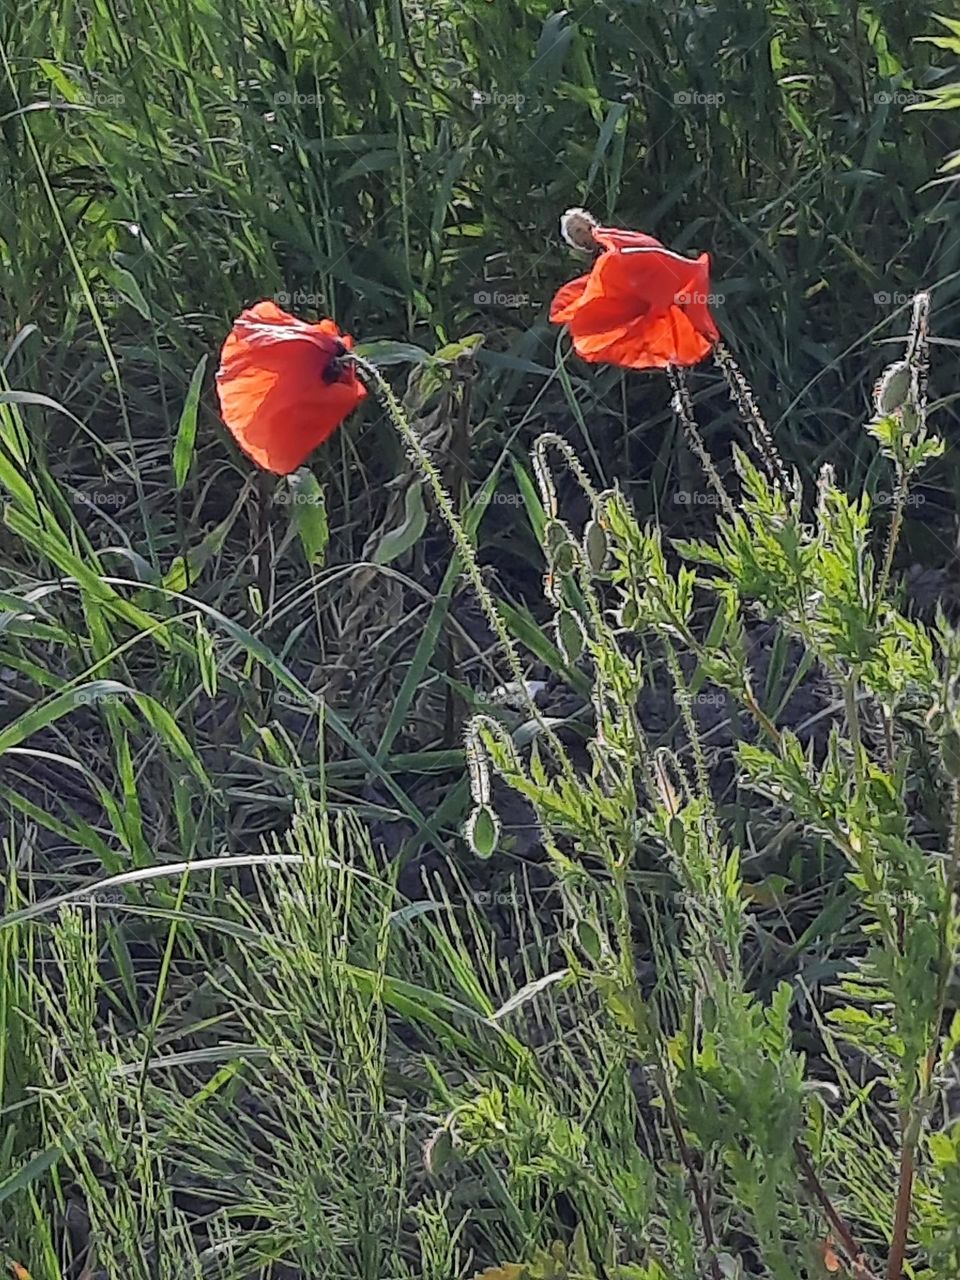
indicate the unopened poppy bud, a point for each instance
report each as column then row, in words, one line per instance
column 482, row 831
column 893, row 388
column 576, row 227
column 589, row 940
column 595, row 545
column 570, row 635
column 628, row 615
column 561, row 553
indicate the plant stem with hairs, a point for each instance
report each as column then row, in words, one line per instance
column 683, row 407
column 893, row 537
column 742, row 397
column 421, row 457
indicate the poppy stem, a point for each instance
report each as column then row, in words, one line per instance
column 742, row 396
column 683, row 407
column 410, row 437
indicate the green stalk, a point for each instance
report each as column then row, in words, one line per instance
column 893, row 537
column 421, row 457
column 853, row 728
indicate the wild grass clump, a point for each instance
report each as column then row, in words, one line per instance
column 302, row 1072
column 365, row 914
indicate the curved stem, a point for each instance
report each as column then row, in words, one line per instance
column 411, row 439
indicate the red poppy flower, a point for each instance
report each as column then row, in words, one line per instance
column 284, row 386
column 641, row 306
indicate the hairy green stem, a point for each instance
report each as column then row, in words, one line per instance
column 893, row 537
column 411, row 439
column 683, row 406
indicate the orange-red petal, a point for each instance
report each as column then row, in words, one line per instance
column 281, row 386
column 619, row 238
column 641, row 306
column 566, row 299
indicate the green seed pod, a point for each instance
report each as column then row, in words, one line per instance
column 565, row 559
column 482, row 831
column 911, row 421
column 561, row 553
column 595, row 546
column 554, row 536
column 678, row 837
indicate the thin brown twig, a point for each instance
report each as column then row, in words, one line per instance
column 699, row 1193
column 840, row 1228
column 901, row 1219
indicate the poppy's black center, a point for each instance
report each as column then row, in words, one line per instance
column 335, row 369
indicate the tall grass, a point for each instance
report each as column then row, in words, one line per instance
column 265, row 1074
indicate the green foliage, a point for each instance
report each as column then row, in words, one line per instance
column 224, row 1054
column 730, row 1077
